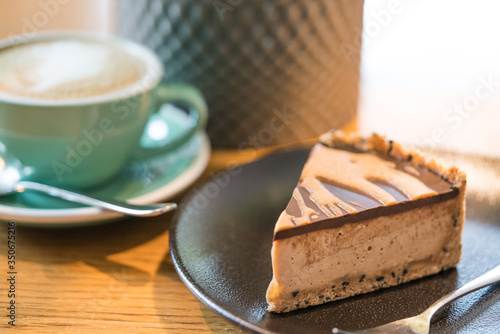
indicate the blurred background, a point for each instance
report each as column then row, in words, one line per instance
column 430, row 71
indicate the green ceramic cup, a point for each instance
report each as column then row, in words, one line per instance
column 80, row 142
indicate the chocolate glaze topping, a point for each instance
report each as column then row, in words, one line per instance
column 340, row 186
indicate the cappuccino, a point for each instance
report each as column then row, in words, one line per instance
column 74, row 106
column 66, row 69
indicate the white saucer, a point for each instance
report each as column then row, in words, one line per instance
column 152, row 181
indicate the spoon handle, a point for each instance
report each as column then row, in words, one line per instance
column 491, row 277
column 108, row 204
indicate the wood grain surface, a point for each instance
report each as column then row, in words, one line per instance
column 111, row 278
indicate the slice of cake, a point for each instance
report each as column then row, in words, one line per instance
column 366, row 214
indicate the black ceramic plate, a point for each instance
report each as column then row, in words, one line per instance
column 221, row 238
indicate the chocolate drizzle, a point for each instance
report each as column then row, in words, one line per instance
column 364, row 215
column 339, row 186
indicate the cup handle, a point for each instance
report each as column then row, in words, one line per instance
column 197, row 113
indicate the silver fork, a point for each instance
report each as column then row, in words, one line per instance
column 421, row 323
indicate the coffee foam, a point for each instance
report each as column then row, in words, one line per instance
column 67, row 69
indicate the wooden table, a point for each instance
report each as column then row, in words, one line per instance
column 115, row 277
